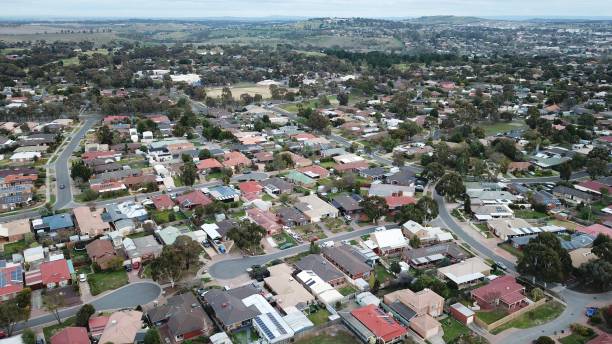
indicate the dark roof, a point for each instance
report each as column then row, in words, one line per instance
column 402, row 310
column 225, row 226
column 449, row 249
column 404, row 177
column 320, row 266
column 564, row 190
column 279, row 183
column 183, row 313
column 228, row 306
column 347, row 202
column 346, row 257
column 290, row 214
column 373, row 172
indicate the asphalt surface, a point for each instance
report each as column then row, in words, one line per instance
column 62, row 168
column 132, row 295
column 228, row 269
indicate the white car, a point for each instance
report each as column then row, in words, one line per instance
column 82, row 278
column 380, row 229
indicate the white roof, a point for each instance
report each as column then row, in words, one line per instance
column 367, row 298
column 211, row 230
column 269, row 322
column 413, row 227
column 391, row 238
column 297, row 320
column 25, row 155
column 321, row 289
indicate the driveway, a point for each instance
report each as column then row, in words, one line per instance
column 131, row 295
column 229, row 269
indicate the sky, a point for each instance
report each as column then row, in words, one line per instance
column 302, row 8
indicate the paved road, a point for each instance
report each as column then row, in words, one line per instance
column 450, row 223
column 132, row 295
column 62, row 169
column 575, row 176
column 228, row 269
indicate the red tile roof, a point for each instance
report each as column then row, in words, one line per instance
column 398, row 201
column 97, row 324
column 162, row 202
column 594, row 186
column 250, row 187
column 595, row 230
column 71, row 335
column 603, row 338
column 55, row 271
column 208, row 164
column 504, row 288
column 379, row 323
column 265, row 219
column 114, row 118
column 323, row 173
column 194, row 198
column 99, row 155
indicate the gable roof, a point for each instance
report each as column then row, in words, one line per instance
column 378, row 322
column 71, row 335
column 122, row 327
column 320, row 266
column 503, row 288
column 162, row 202
column 54, row 271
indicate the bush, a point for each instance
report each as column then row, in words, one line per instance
column 582, row 330
column 544, row 340
column 28, row 336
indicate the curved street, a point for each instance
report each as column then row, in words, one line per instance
column 131, row 295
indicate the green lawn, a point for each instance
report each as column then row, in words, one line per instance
column 347, row 290
column 103, row 281
column 529, row 214
column 162, row 216
column 214, row 175
column 49, row 331
column 327, row 164
column 575, row 338
column 535, row 317
column 511, row 249
column 14, row 247
column 453, row 329
column 178, row 181
column 491, row 316
column 501, row 127
column 284, row 239
column 266, row 197
column 319, row 317
column 381, row 273
column 338, row 338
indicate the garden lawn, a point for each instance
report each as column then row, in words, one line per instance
column 382, row 274
column 102, row 281
column 284, row 239
column 529, row 214
column 319, row 317
column 347, row 290
column 501, row 127
column 453, row 329
column 575, row 338
column 338, row 338
column 490, row 317
column 14, row 247
column 512, row 250
column 535, row 317
column 49, row 331
column 163, row 216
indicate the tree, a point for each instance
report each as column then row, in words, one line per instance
column 314, row 248
column 375, row 207
column 247, row 235
column 105, row 135
column 410, row 128
column 53, row 302
column 80, row 171
column 596, row 167
column 83, row 315
column 410, row 212
column 467, row 206
column 204, row 154
column 597, row 273
column 433, row 171
column 565, row 170
column 429, row 207
column 415, row 242
column 395, row 267
column 167, row 266
column 28, row 336
column 451, row 186
column 544, row 258
column 226, row 96
column 544, row 340
column 152, row 337
column 188, row 249
column 399, row 159
column 602, row 247
column 189, row 173
column 10, row 315
column 343, row 99
column 536, row 294
column 317, row 122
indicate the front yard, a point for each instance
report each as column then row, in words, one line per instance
column 49, row 331
column 100, row 282
column 490, row 317
column 284, row 240
column 535, row 317
column 163, row 216
column 336, row 225
column 310, row 231
column 512, row 250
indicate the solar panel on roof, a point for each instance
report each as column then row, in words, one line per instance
column 264, row 328
column 17, row 275
column 280, row 328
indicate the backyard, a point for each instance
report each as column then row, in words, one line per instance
column 100, row 282
column 336, row 338
column 535, row 317
column 14, row 247
column 453, row 329
column 529, row 214
column 163, row 216
column 347, row 290
column 319, row 317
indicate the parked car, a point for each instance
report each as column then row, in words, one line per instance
column 82, row 278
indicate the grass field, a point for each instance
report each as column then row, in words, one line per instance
column 239, row 89
column 103, row 281
column 501, row 127
column 453, row 329
column 14, row 247
column 347, row 290
column 313, row 103
column 337, row 338
column 535, row 317
column 566, row 224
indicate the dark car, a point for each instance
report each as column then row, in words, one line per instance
column 62, row 186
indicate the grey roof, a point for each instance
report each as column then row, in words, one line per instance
column 346, row 257
column 373, row 172
column 290, row 214
column 404, row 177
column 320, row 266
column 282, row 185
column 402, row 310
column 448, row 249
column 228, row 306
column 183, row 313
column 577, row 241
column 257, row 176
column 564, row 190
column 347, row 202
column 225, row 226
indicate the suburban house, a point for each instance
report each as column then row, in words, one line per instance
column 347, row 260
column 193, row 199
column 122, row 327
column 389, row 242
column 250, row 190
column 265, row 219
column 14, row 230
column 348, row 204
column 143, row 248
column 488, row 212
column 276, row 186
column 465, row 273
column 55, row 273
column 101, row 252
column 323, row 291
column 372, row 325
column 11, row 280
column 571, row 195
column 503, row 228
column 162, row 202
column 427, row 235
column 229, row 310
column 96, row 325
column 90, row 222
column 324, row 269
column 419, row 310
column 315, row 209
column 224, row 193
column 287, row 291
column 502, row 292
column 53, row 223
column 289, row 216
column 181, row 318
column 299, row 178
column 71, row 335
column 427, row 256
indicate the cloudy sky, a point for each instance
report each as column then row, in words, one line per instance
column 303, row 8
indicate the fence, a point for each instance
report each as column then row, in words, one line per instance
column 509, row 317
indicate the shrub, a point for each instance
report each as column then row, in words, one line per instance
column 582, row 330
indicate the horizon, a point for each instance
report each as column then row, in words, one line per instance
column 303, row 9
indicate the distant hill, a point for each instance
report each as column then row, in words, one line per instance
column 447, row 20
